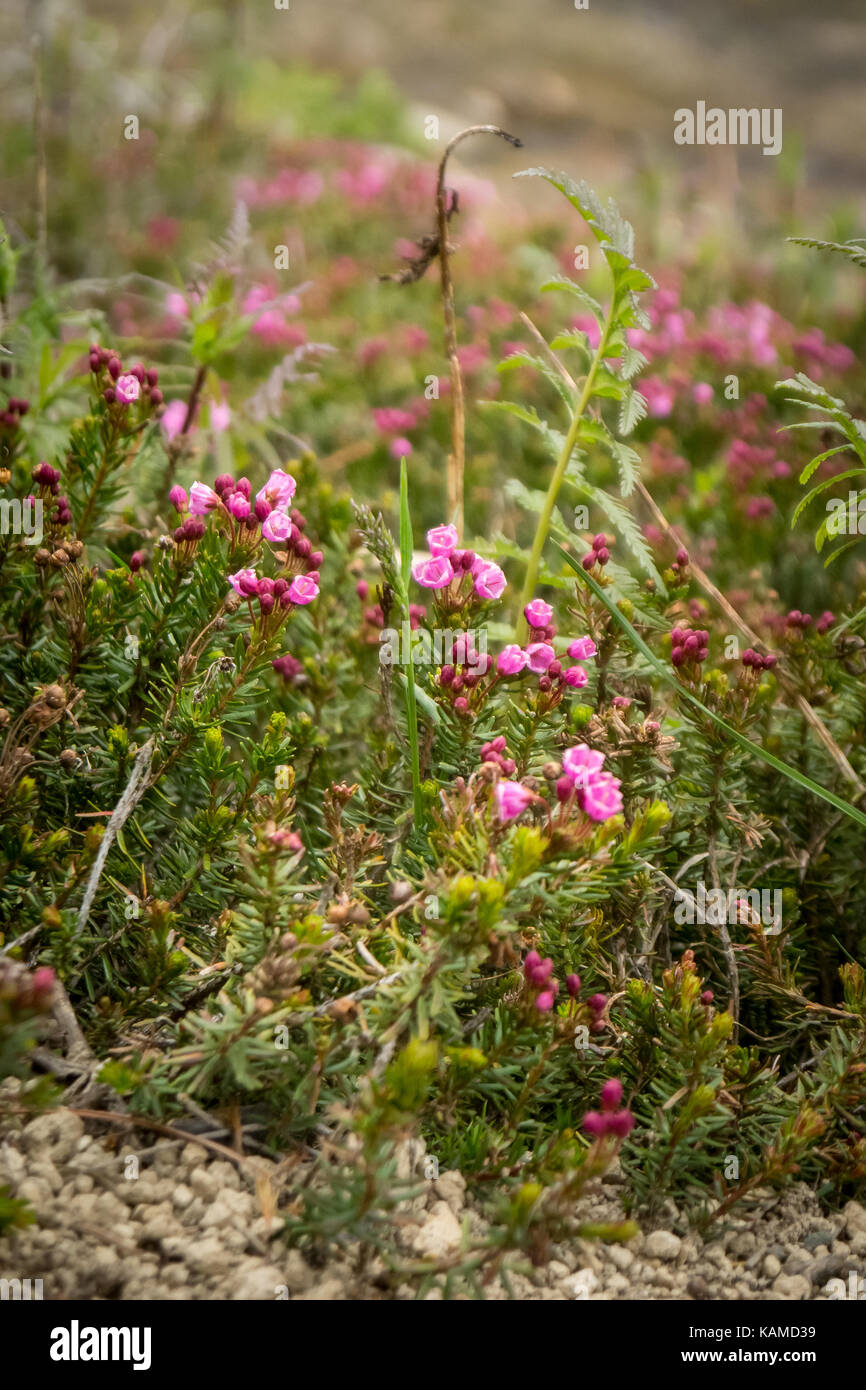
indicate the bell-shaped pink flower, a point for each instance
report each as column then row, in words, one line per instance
column 202, row 499
column 442, row 540
column 539, row 656
column 127, row 388
column 245, row 582
column 278, row 490
column 511, row 660
column 276, row 526
column 512, row 798
column 601, row 797
column 575, row 676
column 581, row 763
column 435, row 573
column 303, row 588
column 538, row 613
column 582, row 648
column 490, row 581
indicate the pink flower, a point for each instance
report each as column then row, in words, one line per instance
column 539, row 656
column 512, row 798
column 127, row 388
column 601, row 797
column 582, row 649
column 435, row 573
column 544, row 1002
column 575, row 676
column 202, row 499
column 702, row 392
column 621, row 1124
column 611, row 1094
column 442, row 540
column 580, row 763
column 276, row 526
column 176, row 305
column 489, row 580
column 245, row 583
column 538, row 613
column 511, row 660
column 400, row 448
column 594, row 1124
column 220, row 416
column 178, row 498
column 173, row 418
column 278, row 490
column 304, row 588
column 238, row 505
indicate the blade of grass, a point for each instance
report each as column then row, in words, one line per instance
column 667, row 675
column 406, row 546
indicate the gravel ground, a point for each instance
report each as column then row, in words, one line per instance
column 192, row 1226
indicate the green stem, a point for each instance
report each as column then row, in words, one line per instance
column 411, row 706
column 541, row 531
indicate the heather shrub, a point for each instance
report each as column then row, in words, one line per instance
column 539, row 841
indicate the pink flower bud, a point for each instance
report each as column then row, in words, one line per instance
column 538, row 613
column 611, row 1094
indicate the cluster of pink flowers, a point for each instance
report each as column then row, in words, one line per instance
column 47, row 479
column 277, row 593
column 494, row 751
column 538, row 975
column 599, row 555
column 610, row 1119
column 271, row 313
column 757, row 661
column 463, row 573
column 689, row 646
column 796, row 619
column 10, row 418
column 24, row 992
column 123, row 388
column 463, row 675
column 596, row 791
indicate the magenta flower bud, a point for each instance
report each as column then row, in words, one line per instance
column 114, row 368
column 156, row 396
column 42, row 980
column 245, row 582
column 678, row 656
column 285, row 599
column 508, row 765
column 137, row 370
column 599, row 541
column 224, row 483
column 266, row 603
column 611, row 1094
column 682, row 556
column 94, row 362
column 707, row 996
column 461, row 705
column 136, row 560
column 544, row 1002
column 243, row 485
column 316, row 558
column 446, row 675
column 532, row 960
column 362, row 589
column 603, row 555
column 594, row 1124
column 554, row 669
column 572, row 984
column 564, row 789
column 265, row 586
column 620, row 1124
column 588, row 560
column 261, row 510
column 179, row 534
column 152, row 376
column 597, row 1003
column 544, row 683
column 303, row 548
column 178, row 498
column 466, row 560
column 298, row 518
column 108, row 395
column 195, row 528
